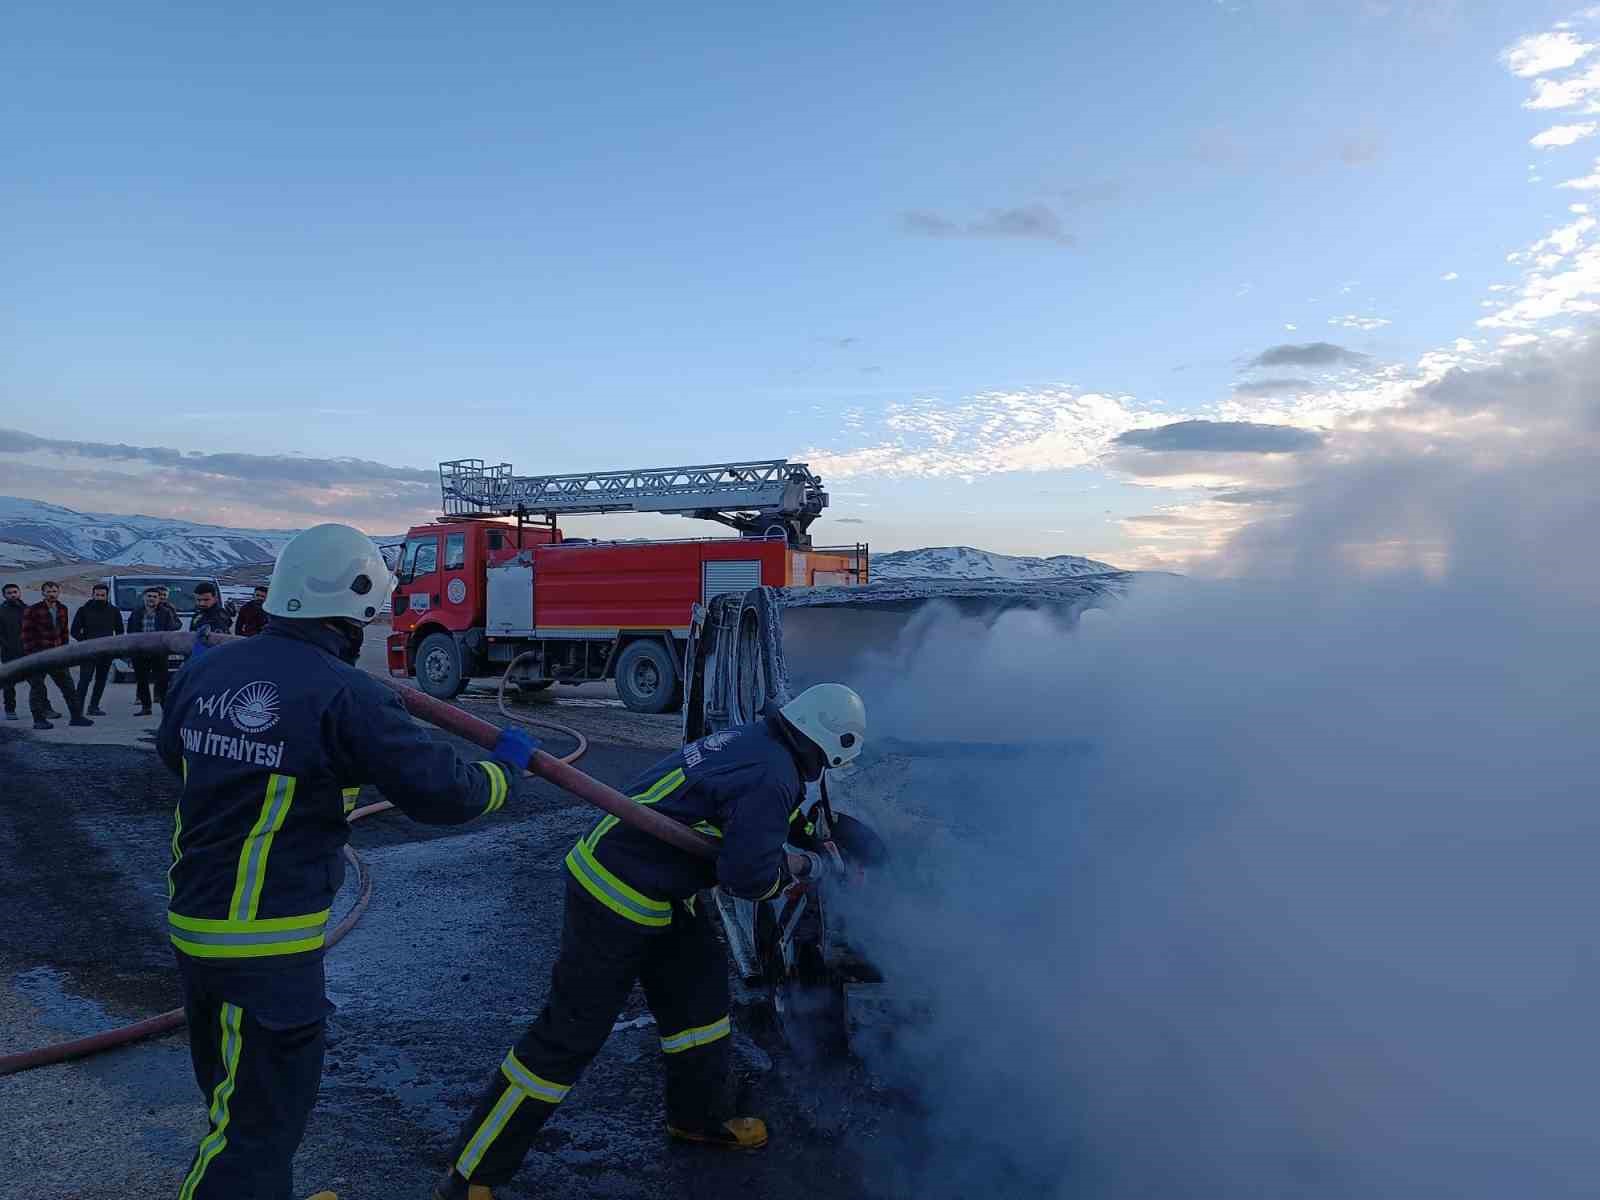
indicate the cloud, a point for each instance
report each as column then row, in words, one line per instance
column 1552, row 94
column 1450, row 276
column 1309, row 354
column 1033, row 222
column 1587, row 183
column 1541, row 53
column 1561, row 277
column 1563, row 135
column 1272, row 387
column 1042, row 429
column 1226, row 437
column 1365, row 324
column 848, row 521
column 261, row 490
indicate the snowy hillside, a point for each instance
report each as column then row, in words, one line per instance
column 32, row 532
column 963, row 562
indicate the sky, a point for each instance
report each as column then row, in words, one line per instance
column 1034, row 277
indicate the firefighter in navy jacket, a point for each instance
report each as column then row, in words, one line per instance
column 273, row 738
column 631, row 917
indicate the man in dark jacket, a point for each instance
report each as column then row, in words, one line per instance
column 44, row 627
column 209, row 615
column 272, row 737
column 631, row 917
column 150, row 670
column 11, row 610
column 96, row 619
column 252, row 617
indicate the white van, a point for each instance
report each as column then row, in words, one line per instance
column 127, row 593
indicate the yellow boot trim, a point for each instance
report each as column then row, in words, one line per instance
column 738, row 1133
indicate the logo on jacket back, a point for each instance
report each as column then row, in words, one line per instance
column 252, row 708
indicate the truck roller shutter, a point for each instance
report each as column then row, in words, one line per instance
column 738, row 575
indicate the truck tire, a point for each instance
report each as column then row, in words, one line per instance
column 439, row 671
column 647, row 678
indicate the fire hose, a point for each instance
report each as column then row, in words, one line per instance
column 557, row 770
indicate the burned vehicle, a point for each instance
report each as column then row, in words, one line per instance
column 749, row 652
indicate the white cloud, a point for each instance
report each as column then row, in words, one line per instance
column 1289, row 327
column 1563, row 135
column 1551, row 94
column 1562, row 279
column 1450, row 276
column 1046, row 429
column 1512, row 340
column 1541, row 53
column 1578, row 208
column 1587, row 183
column 1353, row 321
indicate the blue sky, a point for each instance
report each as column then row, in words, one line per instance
column 904, row 243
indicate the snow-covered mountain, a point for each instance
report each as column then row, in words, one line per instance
column 964, row 562
column 32, row 532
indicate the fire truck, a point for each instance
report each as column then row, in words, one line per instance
column 494, row 588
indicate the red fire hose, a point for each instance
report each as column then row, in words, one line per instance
column 558, row 770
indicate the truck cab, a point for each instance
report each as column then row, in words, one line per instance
column 439, row 601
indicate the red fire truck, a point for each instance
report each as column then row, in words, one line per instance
column 494, row 582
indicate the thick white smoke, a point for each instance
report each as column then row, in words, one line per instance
column 1293, row 884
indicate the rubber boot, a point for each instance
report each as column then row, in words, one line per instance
column 453, row 1187
column 736, row 1133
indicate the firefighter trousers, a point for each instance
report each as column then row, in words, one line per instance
column 685, row 979
column 260, row 1085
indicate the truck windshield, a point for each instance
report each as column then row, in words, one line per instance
column 421, row 557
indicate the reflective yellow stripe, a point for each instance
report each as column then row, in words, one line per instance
column 251, row 873
column 351, row 795
column 536, row 1086
column 777, row 885
column 217, row 1139
column 498, row 786
column 708, row 828
column 472, row 1154
column 654, row 794
column 613, row 893
column 700, row 1035
column 261, row 925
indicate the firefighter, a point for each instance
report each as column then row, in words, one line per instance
column 631, row 916
column 273, row 737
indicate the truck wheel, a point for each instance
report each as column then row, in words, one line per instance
column 439, row 667
column 647, row 678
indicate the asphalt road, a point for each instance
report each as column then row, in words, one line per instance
column 445, row 969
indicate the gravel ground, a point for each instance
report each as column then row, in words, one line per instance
column 447, row 966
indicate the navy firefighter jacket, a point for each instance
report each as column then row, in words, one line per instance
column 273, row 737
column 741, row 786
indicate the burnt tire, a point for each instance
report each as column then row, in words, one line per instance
column 647, row 677
column 440, row 671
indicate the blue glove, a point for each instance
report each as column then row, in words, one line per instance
column 515, row 748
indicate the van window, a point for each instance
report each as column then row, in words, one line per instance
column 455, row 551
column 496, row 541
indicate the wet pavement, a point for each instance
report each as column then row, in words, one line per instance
column 447, row 966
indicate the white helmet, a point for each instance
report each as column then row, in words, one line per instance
column 329, row 571
column 831, row 716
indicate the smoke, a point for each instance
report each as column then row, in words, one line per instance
column 1278, row 883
